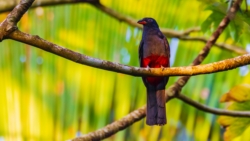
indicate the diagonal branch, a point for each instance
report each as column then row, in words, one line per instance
column 115, row 126
column 168, row 32
column 172, row 92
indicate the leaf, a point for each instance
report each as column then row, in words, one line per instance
column 213, row 20
column 239, row 93
column 236, row 127
column 238, row 26
column 218, row 7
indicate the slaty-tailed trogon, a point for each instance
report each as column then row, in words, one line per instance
column 154, row 52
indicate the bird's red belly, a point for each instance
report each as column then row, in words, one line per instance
column 154, row 61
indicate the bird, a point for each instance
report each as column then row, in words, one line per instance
column 154, row 52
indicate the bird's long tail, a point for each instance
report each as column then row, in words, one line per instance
column 161, row 109
column 156, row 110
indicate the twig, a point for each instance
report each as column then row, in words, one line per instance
column 228, row 47
column 9, row 5
column 212, row 110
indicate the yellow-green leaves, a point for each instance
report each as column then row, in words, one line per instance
column 239, row 93
column 237, row 128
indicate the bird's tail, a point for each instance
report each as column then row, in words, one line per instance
column 161, row 109
column 156, row 110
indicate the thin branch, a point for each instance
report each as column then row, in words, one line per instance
column 9, row 5
column 168, row 32
column 233, row 48
column 134, row 71
column 171, row 92
column 212, row 110
column 133, row 22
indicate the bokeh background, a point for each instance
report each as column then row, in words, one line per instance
column 46, row 97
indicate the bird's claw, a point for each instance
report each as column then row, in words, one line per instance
column 162, row 68
column 149, row 68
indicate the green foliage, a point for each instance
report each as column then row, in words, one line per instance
column 237, row 129
column 238, row 26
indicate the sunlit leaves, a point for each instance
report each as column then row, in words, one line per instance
column 236, row 128
column 238, row 26
column 213, row 20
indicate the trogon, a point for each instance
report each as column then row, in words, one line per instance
column 154, row 52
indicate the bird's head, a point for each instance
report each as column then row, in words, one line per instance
column 148, row 22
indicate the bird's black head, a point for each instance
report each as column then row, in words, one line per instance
column 148, row 22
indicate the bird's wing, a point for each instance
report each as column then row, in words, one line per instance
column 167, row 46
column 140, row 52
column 140, row 59
column 160, row 35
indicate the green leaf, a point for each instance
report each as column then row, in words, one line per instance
column 238, row 26
column 213, row 20
column 217, row 7
column 236, row 127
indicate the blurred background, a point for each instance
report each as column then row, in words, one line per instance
column 46, row 97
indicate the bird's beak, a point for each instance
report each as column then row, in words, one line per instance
column 142, row 22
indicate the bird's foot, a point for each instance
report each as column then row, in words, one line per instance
column 148, row 68
column 162, row 68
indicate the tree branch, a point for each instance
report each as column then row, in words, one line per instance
column 169, row 32
column 134, row 71
column 133, row 22
column 212, row 110
column 9, row 5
